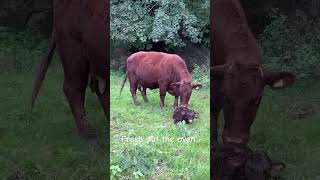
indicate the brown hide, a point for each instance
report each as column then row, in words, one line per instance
column 81, row 36
column 238, row 79
column 152, row 70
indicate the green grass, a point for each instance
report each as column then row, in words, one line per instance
column 287, row 126
column 157, row 160
column 43, row 144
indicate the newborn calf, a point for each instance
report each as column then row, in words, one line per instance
column 234, row 162
column 184, row 113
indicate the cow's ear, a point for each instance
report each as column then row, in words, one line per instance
column 277, row 167
column 278, row 80
column 219, row 70
column 196, row 86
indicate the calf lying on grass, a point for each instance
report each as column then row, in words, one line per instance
column 235, row 162
column 184, row 113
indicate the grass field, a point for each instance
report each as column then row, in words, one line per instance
column 288, row 128
column 43, row 144
column 159, row 159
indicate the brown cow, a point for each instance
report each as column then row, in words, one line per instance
column 80, row 33
column 152, row 70
column 238, row 78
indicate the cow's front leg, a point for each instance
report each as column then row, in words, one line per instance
column 133, row 90
column 176, row 99
column 144, row 94
column 163, row 90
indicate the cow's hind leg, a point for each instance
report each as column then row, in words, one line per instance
column 133, row 90
column 144, row 94
column 99, row 86
column 76, row 70
column 76, row 97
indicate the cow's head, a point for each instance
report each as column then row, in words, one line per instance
column 241, row 89
column 234, row 162
column 184, row 89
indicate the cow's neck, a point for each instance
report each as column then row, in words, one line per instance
column 184, row 75
column 233, row 39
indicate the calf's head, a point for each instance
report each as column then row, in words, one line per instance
column 184, row 90
column 241, row 89
column 184, row 114
column 235, row 162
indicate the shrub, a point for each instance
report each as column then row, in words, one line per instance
column 292, row 43
column 151, row 21
column 201, row 74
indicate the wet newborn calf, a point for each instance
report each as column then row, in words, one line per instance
column 184, row 113
column 234, row 162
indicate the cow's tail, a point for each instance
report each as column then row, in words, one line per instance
column 123, row 82
column 42, row 69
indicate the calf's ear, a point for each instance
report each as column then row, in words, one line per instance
column 196, row 86
column 278, row 80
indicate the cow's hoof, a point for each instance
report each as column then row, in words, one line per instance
column 137, row 103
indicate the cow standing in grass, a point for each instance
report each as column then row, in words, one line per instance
column 152, row 70
column 81, row 37
column 237, row 76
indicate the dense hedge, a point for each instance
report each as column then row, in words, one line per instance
column 148, row 22
column 292, row 43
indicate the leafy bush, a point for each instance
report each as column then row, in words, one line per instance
column 201, row 74
column 292, row 43
column 144, row 22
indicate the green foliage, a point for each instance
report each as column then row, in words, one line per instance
column 292, row 43
column 141, row 23
column 201, row 74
